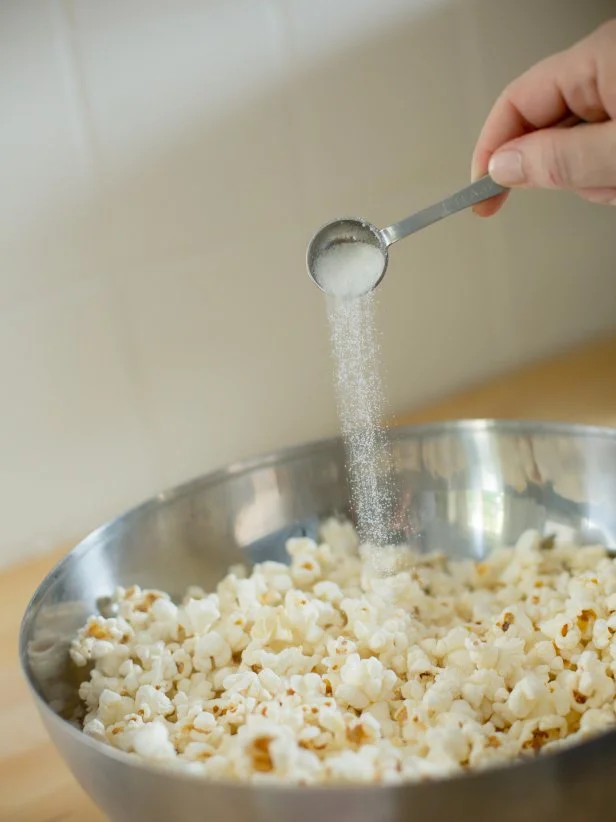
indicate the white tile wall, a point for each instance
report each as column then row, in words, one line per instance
column 162, row 166
column 73, row 446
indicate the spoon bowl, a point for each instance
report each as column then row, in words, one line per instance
column 332, row 245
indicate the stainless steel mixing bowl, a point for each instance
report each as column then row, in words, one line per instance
column 463, row 488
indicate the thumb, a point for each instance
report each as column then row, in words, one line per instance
column 583, row 156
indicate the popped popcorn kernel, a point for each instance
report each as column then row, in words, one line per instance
column 321, row 671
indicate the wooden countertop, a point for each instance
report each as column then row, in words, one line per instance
column 35, row 785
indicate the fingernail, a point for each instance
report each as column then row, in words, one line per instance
column 605, row 196
column 609, row 198
column 506, row 168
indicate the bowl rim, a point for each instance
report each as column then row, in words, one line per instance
column 238, row 468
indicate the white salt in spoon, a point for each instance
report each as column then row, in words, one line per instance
column 348, row 257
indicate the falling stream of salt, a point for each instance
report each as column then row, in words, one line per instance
column 361, row 408
column 348, row 272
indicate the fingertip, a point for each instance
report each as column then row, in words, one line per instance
column 479, row 166
column 490, row 207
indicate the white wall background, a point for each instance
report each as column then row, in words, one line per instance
column 162, row 166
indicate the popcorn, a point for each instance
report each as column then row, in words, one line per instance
column 322, row 672
column 200, row 615
column 150, row 703
column 211, row 651
column 152, row 742
column 112, row 707
column 526, row 695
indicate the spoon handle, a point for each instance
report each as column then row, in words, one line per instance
column 477, row 192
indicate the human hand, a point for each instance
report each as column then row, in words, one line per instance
column 521, row 143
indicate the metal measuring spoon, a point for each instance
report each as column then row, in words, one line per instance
column 362, row 233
